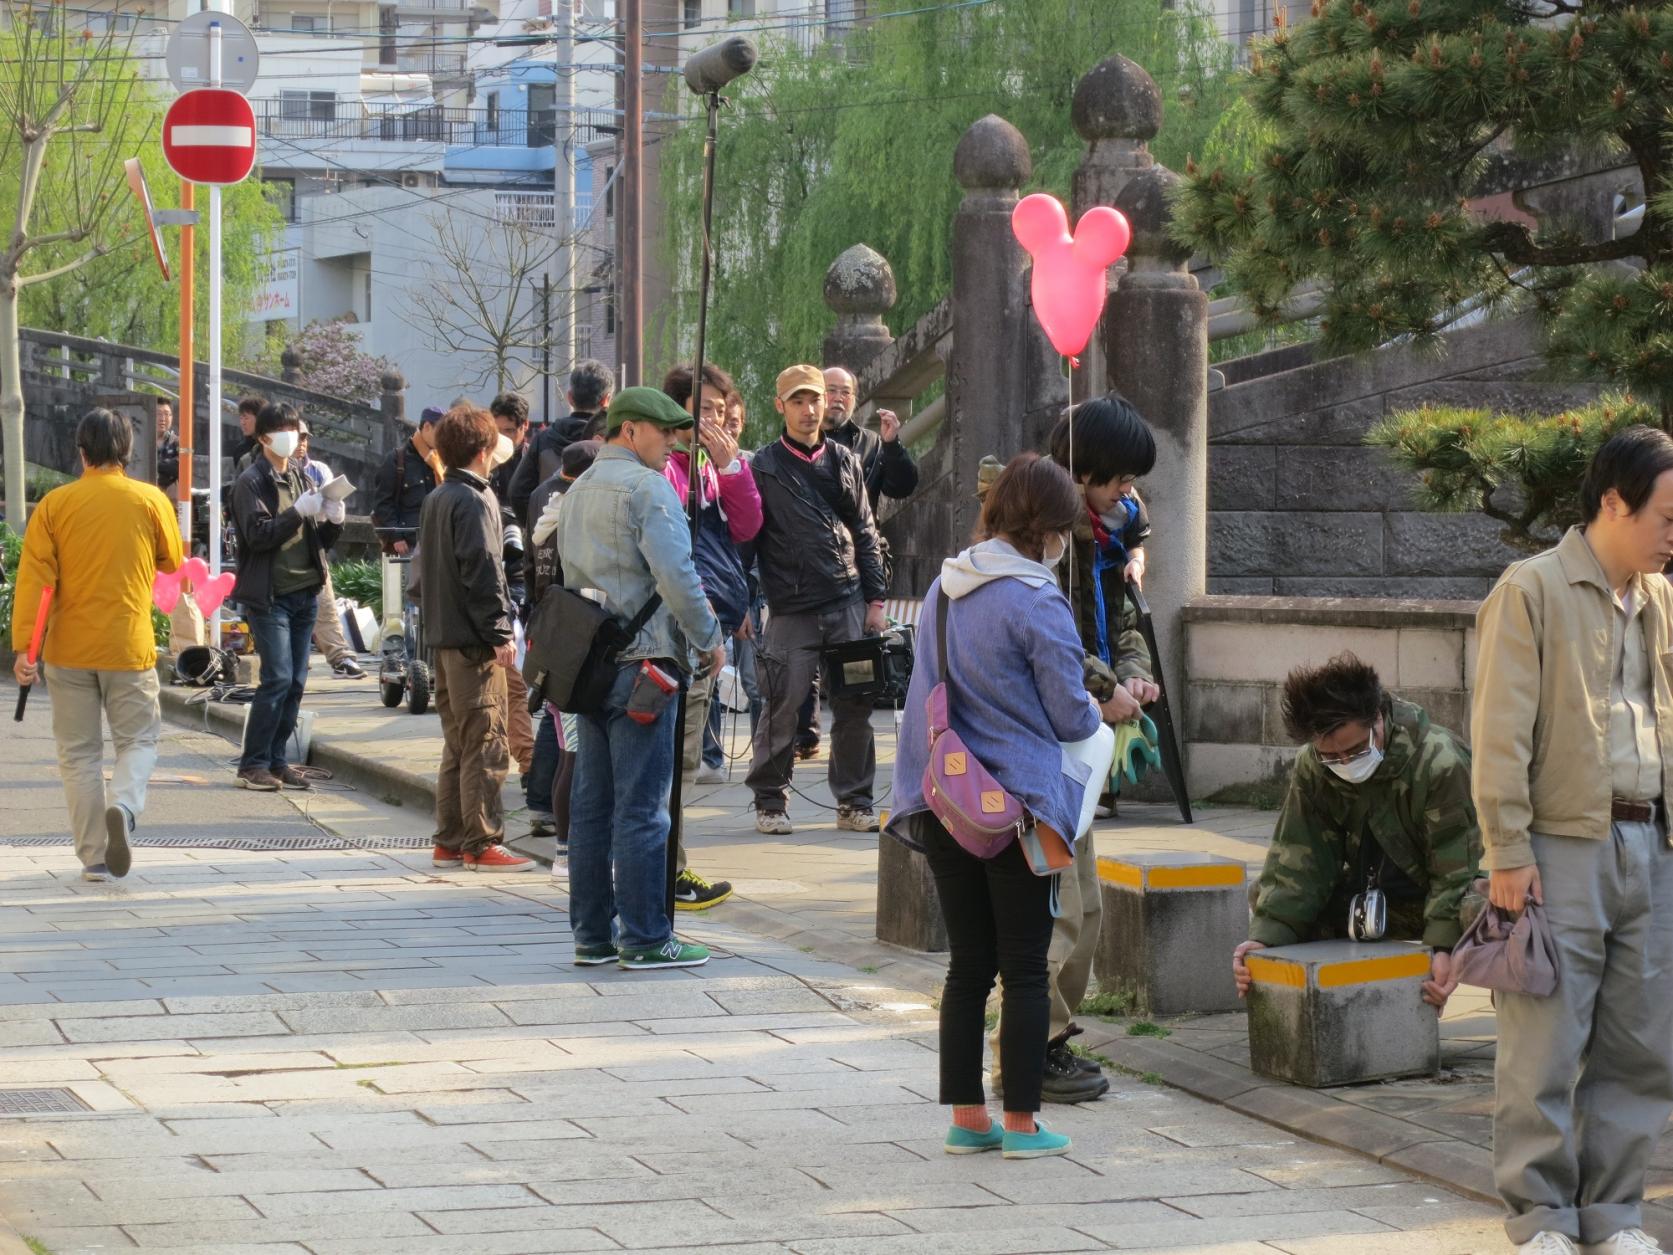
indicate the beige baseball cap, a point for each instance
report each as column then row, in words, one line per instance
column 800, row 379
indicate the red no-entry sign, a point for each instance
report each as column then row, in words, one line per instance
column 209, row 136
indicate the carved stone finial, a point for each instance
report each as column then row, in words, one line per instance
column 860, row 281
column 1117, row 99
column 1145, row 203
column 393, row 381
column 992, row 155
column 290, row 365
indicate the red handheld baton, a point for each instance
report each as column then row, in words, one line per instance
column 34, row 651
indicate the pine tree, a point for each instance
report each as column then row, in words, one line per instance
column 1387, row 113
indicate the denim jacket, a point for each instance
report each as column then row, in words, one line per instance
column 622, row 530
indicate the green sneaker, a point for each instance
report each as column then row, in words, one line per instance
column 671, row 953
column 1039, row 1144
column 593, row 956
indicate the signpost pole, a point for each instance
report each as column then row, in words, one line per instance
column 187, row 420
column 215, row 473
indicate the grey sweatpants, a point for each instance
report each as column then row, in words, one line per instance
column 785, row 667
column 82, row 702
column 1570, row 1157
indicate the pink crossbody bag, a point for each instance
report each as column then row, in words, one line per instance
column 976, row 810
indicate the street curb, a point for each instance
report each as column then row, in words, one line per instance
column 1313, row 1114
column 385, row 781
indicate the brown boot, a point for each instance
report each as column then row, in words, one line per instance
column 260, row 779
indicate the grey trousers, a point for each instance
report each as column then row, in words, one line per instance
column 1584, row 1078
column 82, row 701
column 785, row 667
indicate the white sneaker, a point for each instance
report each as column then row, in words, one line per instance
column 773, row 823
column 710, row 775
column 1626, row 1242
column 1549, row 1243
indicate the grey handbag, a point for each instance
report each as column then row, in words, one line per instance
column 1513, row 954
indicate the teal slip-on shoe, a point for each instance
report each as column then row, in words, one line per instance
column 1036, row 1145
column 962, row 1141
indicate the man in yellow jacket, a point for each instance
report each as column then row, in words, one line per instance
column 1572, row 732
column 98, row 543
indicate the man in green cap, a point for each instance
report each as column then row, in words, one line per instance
column 623, row 533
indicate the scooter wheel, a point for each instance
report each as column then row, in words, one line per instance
column 418, row 688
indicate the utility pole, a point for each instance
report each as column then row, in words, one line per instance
column 564, row 131
column 546, row 350
column 632, row 192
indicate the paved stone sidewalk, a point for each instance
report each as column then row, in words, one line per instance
column 339, row 1052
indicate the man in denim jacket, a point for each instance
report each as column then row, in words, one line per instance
column 622, row 531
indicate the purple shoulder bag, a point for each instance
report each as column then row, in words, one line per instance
column 975, row 809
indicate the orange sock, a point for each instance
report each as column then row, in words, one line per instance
column 1019, row 1122
column 975, row 1119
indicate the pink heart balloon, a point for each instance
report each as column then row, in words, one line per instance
column 1068, row 287
column 212, row 592
column 194, row 569
column 165, row 591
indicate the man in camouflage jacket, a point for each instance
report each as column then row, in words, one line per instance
column 1410, row 826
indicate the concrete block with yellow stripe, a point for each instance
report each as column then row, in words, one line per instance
column 1164, row 914
column 1342, row 1012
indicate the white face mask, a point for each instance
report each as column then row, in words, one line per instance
column 503, row 449
column 1359, row 769
column 283, row 443
column 1050, row 559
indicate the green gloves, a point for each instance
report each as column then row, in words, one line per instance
column 1135, row 752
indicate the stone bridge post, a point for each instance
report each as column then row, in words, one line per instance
column 1117, row 110
column 1155, row 337
column 859, row 290
column 993, row 367
column 393, row 403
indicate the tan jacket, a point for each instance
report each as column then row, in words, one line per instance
column 1539, row 725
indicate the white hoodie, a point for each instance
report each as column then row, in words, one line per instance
column 987, row 561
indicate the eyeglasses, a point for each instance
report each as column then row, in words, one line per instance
column 1362, row 750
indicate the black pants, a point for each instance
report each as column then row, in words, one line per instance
column 998, row 916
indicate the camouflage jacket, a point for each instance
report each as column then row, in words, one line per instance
column 1416, row 807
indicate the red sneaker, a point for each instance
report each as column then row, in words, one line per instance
column 441, row 856
column 496, row 858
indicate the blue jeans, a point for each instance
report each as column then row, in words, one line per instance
column 619, row 819
column 537, row 794
column 284, row 636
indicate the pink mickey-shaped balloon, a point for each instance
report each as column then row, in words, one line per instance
column 165, row 591
column 1068, row 282
column 194, row 569
column 212, row 592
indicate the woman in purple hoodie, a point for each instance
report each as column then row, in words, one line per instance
column 1015, row 659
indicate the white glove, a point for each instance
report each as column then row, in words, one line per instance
column 335, row 511
column 310, row 503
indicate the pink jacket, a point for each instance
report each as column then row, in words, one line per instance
column 740, row 500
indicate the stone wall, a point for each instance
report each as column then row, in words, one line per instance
column 1239, row 649
column 1300, row 507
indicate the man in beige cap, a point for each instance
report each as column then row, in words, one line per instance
column 821, row 569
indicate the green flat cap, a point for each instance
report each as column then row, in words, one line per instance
column 645, row 405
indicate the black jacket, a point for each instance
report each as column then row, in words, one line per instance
column 462, row 589
column 168, row 461
column 404, row 481
column 262, row 527
column 889, row 468
column 818, row 547
column 542, row 458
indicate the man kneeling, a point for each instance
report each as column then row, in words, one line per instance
column 1379, row 802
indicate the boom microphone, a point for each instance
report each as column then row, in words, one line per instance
column 711, row 69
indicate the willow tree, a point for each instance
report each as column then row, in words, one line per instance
column 853, row 142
